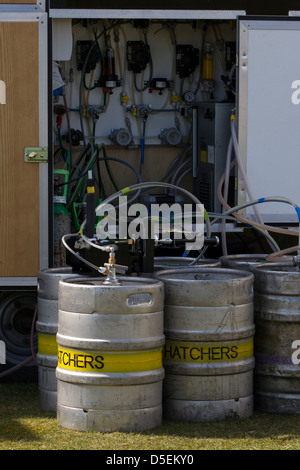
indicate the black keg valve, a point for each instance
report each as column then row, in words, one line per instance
column 296, row 261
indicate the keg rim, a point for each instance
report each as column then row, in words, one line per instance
column 243, row 257
column 133, row 282
column 161, row 262
column 278, row 268
column 61, row 270
column 183, row 258
column 236, row 273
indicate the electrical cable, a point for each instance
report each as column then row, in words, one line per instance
column 103, row 159
column 250, row 221
column 234, row 210
column 101, row 67
column 122, row 193
column 241, row 167
column 94, row 43
column 280, row 257
column 183, row 174
column 90, row 165
column 70, row 152
column 151, row 185
column 108, row 168
column 183, row 164
column 74, row 253
column 150, row 72
column 76, row 168
column 201, row 63
column 16, row 367
column 81, row 180
column 177, row 161
column 258, row 226
column 225, row 179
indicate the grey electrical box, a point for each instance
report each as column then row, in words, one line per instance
column 211, row 128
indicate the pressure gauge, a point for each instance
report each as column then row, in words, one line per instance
column 188, row 96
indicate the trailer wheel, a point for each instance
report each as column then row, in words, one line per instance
column 16, row 316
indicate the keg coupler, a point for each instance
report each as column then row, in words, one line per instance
column 111, row 268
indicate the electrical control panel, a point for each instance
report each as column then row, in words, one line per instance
column 123, row 101
column 142, row 76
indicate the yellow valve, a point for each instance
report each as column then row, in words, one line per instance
column 125, row 99
column 175, row 99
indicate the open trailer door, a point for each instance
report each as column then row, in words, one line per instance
column 23, row 144
column 269, row 112
column 23, row 174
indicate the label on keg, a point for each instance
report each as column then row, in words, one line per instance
column 208, row 352
column 47, row 344
column 103, row 361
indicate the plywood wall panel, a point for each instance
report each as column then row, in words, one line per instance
column 19, row 124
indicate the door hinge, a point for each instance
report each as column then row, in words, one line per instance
column 36, row 154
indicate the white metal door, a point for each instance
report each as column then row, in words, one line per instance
column 269, row 113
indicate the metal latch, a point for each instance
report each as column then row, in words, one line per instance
column 36, row 154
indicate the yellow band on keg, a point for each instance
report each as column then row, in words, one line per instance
column 208, row 352
column 47, row 344
column 103, row 361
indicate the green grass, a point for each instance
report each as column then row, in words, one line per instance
column 25, row 427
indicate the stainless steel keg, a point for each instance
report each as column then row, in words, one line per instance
column 110, row 339
column 170, row 262
column 245, row 262
column 277, row 320
column 208, row 354
column 46, row 326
